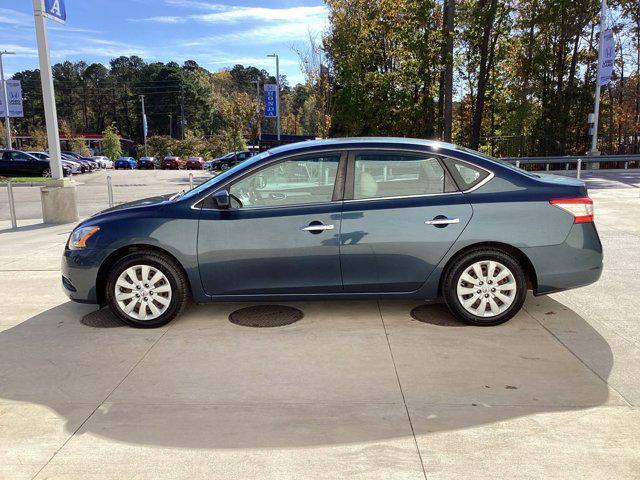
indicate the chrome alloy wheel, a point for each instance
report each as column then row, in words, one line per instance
column 143, row 292
column 486, row 288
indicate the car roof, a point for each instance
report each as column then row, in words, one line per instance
column 358, row 141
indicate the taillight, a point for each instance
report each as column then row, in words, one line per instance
column 580, row 208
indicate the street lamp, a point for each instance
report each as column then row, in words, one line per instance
column 275, row 55
column 5, row 99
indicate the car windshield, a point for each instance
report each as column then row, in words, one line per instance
column 223, row 176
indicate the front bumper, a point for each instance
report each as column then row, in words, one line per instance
column 80, row 273
column 574, row 263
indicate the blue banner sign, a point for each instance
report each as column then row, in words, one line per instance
column 270, row 100
column 55, row 10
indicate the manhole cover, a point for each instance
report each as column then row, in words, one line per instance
column 436, row 314
column 266, row 316
column 103, row 318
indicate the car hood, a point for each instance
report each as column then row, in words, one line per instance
column 143, row 202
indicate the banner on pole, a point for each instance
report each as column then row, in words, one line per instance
column 144, row 124
column 270, row 100
column 14, row 96
column 55, row 10
column 607, row 57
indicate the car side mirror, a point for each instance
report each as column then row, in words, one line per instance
column 221, row 199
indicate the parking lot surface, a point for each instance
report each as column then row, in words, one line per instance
column 352, row 390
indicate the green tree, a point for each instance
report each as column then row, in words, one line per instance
column 161, row 145
column 111, row 142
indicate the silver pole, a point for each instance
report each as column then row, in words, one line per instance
column 517, row 163
column 5, row 100
column 49, row 99
column 110, row 190
column 191, row 180
column 12, row 206
column 596, row 106
column 579, row 168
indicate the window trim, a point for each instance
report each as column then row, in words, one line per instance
column 351, row 166
column 338, row 186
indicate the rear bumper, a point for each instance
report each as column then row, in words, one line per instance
column 574, row 263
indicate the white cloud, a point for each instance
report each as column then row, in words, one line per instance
column 226, row 14
column 20, row 50
column 9, row 16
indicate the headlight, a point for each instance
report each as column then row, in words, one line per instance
column 80, row 236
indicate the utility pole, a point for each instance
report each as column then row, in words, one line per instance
column 450, row 6
column 5, row 99
column 144, row 125
column 257, row 82
column 171, row 125
column 596, row 106
column 182, row 121
column 275, row 55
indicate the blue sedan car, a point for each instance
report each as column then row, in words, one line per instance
column 342, row 219
column 126, row 163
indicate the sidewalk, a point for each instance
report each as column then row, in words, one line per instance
column 353, row 390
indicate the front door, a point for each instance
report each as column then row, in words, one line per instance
column 402, row 212
column 281, row 234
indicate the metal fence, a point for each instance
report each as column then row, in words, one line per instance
column 560, row 144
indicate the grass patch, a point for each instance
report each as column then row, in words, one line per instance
column 24, row 179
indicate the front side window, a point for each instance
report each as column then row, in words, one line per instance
column 291, row 182
column 380, row 175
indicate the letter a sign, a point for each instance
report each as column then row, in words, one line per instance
column 55, row 10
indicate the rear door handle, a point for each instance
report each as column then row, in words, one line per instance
column 442, row 221
column 317, row 228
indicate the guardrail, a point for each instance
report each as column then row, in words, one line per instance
column 570, row 160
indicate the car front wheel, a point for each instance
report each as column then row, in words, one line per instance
column 485, row 287
column 146, row 290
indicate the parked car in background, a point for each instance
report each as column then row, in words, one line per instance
column 74, row 167
column 17, row 163
column 85, row 167
column 102, row 161
column 172, row 163
column 125, row 163
column 148, row 163
column 229, row 160
column 86, row 160
column 194, row 163
column 356, row 218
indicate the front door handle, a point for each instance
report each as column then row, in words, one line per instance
column 316, row 228
column 443, row 221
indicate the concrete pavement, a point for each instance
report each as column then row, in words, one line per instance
column 353, row 390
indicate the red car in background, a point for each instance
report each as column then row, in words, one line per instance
column 195, row 163
column 172, row 163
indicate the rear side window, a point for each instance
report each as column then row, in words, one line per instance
column 383, row 175
column 466, row 174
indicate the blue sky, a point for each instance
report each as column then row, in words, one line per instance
column 216, row 34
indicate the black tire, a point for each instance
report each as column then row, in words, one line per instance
column 173, row 273
column 45, row 172
column 461, row 264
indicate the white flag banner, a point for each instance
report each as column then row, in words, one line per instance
column 144, row 124
column 14, row 96
column 607, row 57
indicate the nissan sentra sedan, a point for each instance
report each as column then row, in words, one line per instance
column 359, row 218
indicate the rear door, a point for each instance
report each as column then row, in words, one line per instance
column 402, row 212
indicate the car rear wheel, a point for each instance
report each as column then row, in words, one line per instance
column 45, row 173
column 146, row 290
column 485, row 287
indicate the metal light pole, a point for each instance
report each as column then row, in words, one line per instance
column 596, row 106
column 5, row 100
column 275, row 55
column 144, row 125
column 49, row 99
